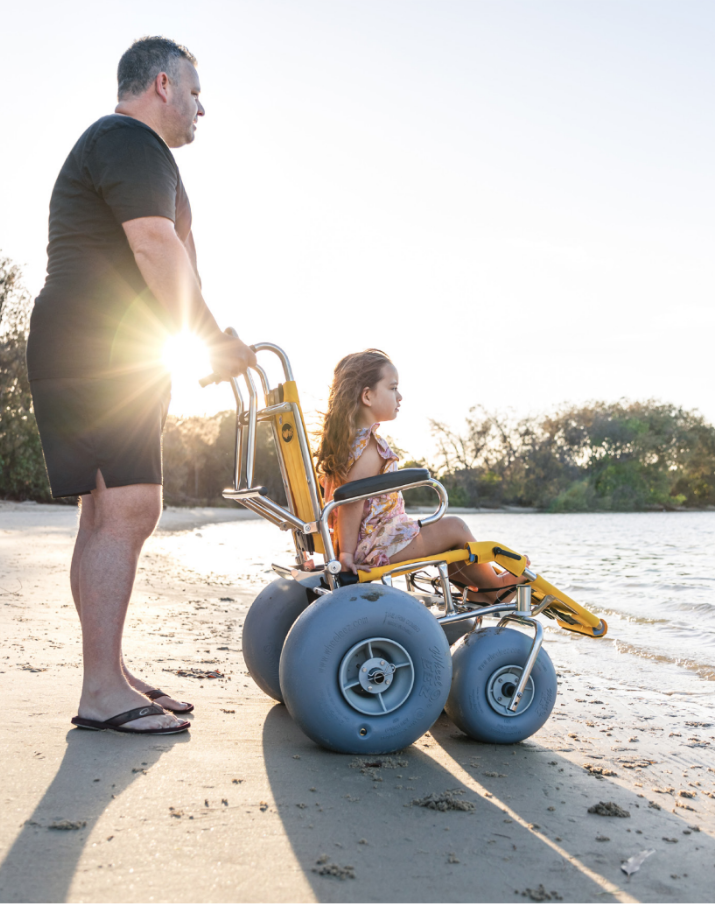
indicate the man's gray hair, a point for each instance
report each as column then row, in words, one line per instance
column 145, row 59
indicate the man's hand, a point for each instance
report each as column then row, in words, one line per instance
column 230, row 356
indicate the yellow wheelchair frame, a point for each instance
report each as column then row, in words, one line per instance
column 307, row 518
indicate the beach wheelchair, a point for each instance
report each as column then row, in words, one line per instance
column 366, row 667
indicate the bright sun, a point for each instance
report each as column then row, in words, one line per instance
column 188, row 360
column 184, row 352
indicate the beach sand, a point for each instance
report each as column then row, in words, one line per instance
column 245, row 808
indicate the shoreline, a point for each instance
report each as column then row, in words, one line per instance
column 192, row 515
column 248, row 807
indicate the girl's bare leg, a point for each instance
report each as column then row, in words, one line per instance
column 452, row 533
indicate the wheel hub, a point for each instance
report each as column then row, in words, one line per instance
column 501, row 687
column 376, row 676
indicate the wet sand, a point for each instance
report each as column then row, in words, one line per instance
column 245, row 808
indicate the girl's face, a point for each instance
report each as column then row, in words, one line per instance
column 383, row 401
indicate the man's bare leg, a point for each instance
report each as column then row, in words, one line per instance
column 84, row 534
column 123, row 518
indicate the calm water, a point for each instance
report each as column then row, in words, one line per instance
column 651, row 576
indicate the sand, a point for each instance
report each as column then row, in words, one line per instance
column 245, row 808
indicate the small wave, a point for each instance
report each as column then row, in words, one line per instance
column 706, row 672
column 699, row 608
column 694, row 583
column 700, row 614
column 700, row 630
column 704, row 634
column 626, row 616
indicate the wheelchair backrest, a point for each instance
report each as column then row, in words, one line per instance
column 283, row 412
column 296, row 460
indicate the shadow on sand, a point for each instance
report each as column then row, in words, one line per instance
column 95, row 769
column 361, row 817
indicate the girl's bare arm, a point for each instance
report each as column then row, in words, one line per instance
column 349, row 515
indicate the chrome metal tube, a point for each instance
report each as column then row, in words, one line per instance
column 523, row 598
column 322, row 519
column 482, row 612
column 282, row 356
column 531, row 658
column 544, row 604
column 291, row 521
column 331, row 505
column 324, row 531
column 443, row 502
column 265, row 384
column 240, row 407
column 251, row 441
column 285, row 517
column 238, row 450
column 443, row 572
column 269, row 412
column 242, row 494
column 253, row 505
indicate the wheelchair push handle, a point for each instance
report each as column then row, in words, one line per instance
column 214, row 379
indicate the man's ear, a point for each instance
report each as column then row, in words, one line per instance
column 161, row 86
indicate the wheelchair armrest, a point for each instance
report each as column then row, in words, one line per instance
column 385, row 482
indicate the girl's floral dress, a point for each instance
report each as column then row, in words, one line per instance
column 385, row 529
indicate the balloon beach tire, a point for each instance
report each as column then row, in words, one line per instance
column 486, row 668
column 265, row 629
column 366, row 670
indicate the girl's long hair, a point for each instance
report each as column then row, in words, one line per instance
column 353, row 374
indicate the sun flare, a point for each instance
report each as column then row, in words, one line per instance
column 184, row 353
column 187, row 359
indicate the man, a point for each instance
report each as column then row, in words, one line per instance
column 121, row 275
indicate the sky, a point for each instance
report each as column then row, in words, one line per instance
column 513, row 198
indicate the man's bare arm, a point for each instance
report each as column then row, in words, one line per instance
column 169, row 273
column 191, row 252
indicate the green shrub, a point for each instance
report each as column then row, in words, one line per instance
column 22, row 466
column 622, row 456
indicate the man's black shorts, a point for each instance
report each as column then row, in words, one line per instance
column 108, row 424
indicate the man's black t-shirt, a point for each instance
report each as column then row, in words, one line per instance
column 95, row 316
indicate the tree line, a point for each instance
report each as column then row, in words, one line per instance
column 618, row 456
column 606, row 456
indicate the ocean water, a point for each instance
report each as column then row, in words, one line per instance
column 651, row 576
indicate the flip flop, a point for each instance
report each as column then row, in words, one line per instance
column 116, row 722
column 156, row 693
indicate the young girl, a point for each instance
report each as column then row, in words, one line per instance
column 376, row 532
